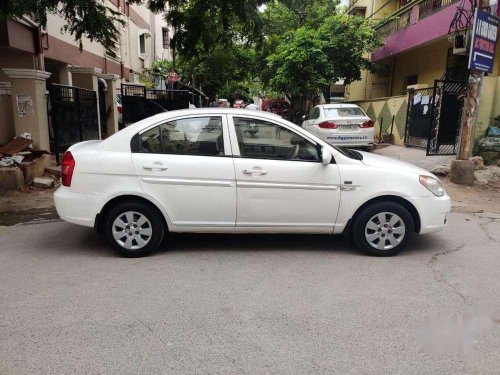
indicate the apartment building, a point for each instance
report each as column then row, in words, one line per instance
column 32, row 58
column 424, row 41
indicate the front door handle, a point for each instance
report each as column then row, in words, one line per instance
column 155, row 166
column 258, row 172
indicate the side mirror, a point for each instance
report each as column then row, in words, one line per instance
column 326, row 156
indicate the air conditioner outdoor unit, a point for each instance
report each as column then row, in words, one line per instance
column 133, row 78
column 460, row 43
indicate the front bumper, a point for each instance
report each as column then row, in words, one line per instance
column 78, row 208
column 432, row 211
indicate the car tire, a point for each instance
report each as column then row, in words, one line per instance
column 383, row 229
column 134, row 229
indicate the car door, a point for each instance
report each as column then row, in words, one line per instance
column 281, row 181
column 186, row 165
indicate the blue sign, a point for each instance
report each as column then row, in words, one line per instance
column 483, row 41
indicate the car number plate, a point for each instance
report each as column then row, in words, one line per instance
column 348, row 127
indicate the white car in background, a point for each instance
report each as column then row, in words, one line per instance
column 343, row 125
column 239, row 171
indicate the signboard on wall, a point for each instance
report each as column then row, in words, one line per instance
column 483, row 41
column 23, row 102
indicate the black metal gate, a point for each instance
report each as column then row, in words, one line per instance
column 418, row 117
column 447, row 104
column 139, row 102
column 433, row 117
column 72, row 117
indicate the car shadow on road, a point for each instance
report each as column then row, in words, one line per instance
column 181, row 242
column 77, row 240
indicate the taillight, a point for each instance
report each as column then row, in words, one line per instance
column 120, row 109
column 67, row 167
column 328, row 125
column 368, row 124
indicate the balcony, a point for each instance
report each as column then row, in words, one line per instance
column 412, row 13
column 416, row 23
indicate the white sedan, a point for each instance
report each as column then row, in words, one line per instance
column 344, row 125
column 240, row 171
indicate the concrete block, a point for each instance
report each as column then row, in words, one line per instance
column 462, row 172
column 11, row 178
column 43, row 182
column 35, row 168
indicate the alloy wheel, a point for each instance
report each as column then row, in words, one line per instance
column 385, row 231
column 132, row 230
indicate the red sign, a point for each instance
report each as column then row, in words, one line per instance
column 172, row 77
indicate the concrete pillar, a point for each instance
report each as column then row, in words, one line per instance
column 112, row 120
column 86, row 78
column 29, row 104
column 65, row 77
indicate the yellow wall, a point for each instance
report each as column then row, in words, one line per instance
column 489, row 106
column 367, row 87
column 381, row 111
column 382, row 9
column 428, row 62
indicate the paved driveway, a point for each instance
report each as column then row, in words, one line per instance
column 245, row 304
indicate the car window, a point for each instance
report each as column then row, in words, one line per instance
column 344, row 112
column 150, row 141
column 266, row 140
column 191, row 136
column 315, row 113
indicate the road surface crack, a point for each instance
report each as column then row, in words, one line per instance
column 439, row 275
column 486, row 231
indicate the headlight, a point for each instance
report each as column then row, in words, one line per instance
column 433, row 185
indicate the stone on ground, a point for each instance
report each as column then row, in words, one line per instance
column 43, row 182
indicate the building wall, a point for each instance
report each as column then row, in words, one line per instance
column 427, row 62
column 368, row 87
column 7, row 129
column 160, row 52
column 12, row 58
column 489, row 106
column 382, row 111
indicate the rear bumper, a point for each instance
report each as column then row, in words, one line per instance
column 432, row 212
column 78, row 208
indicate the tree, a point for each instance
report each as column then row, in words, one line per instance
column 321, row 46
column 191, row 19
column 92, row 19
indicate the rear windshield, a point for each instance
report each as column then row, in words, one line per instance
column 344, row 112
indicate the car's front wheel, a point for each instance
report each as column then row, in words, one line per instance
column 134, row 229
column 383, row 229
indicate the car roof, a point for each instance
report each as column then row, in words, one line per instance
column 339, row 105
column 164, row 116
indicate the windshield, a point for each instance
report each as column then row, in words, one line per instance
column 344, row 112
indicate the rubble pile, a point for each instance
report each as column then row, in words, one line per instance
column 20, row 163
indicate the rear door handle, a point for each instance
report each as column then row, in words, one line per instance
column 255, row 171
column 155, row 166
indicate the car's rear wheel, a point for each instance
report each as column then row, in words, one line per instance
column 383, row 229
column 134, row 229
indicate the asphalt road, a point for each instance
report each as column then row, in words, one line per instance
column 240, row 304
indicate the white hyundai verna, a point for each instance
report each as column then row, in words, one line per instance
column 343, row 125
column 240, row 171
